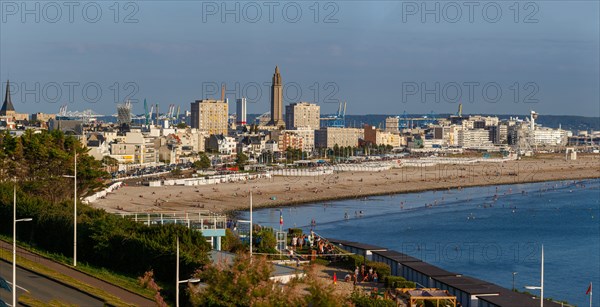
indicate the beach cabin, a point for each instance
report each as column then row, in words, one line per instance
column 466, row 289
column 395, row 260
column 365, row 250
column 423, row 273
column 511, row 298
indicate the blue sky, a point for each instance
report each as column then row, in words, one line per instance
column 382, row 57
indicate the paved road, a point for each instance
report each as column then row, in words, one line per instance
column 43, row 288
column 124, row 295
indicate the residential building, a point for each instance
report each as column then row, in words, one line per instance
column 391, row 124
column 210, row 116
column 474, row 139
column 308, row 138
column 134, row 148
column 290, row 139
column 221, row 143
column 302, row 115
column 42, row 117
column 550, row 137
column 328, row 137
column 240, row 111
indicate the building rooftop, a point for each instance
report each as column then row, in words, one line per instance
column 396, row 256
column 357, row 245
column 428, row 269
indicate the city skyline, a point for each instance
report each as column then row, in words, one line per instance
column 380, row 59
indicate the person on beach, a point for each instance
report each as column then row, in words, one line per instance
column 362, row 270
column 294, row 242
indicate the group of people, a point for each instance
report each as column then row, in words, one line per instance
column 365, row 276
column 312, row 240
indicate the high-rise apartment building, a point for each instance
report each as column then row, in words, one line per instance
column 240, row 109
column 209, row 116
column 302, row 115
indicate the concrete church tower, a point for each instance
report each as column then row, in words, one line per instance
column 277, row 100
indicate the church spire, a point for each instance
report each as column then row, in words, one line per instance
column 277, row 76
column 7, row 106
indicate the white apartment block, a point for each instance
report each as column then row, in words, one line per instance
column 550, row 137
column 134, row 148
column 474, row 139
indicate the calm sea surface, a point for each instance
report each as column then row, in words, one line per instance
column 485, row 232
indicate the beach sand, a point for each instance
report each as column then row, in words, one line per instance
column 281, row 191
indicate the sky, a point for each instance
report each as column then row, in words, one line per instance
column 381, row 57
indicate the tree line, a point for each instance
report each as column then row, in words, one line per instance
column 35, row 163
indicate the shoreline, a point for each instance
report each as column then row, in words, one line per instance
column 281, row 191
column 234, row 212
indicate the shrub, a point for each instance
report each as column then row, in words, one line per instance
column 232, row 243
column 383, row 270
column 361, row 299
column 406, row 284
column 398, row 282
column 351, row 261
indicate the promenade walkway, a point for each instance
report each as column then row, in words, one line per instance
column 125, row 295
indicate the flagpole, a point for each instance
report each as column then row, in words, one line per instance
column 591, row 291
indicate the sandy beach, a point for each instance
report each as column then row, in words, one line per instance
column 282, row 190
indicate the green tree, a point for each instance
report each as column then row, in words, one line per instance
column 232, row 243
column 181, row 125
column 176, row 171
column 265, row 241
column 242, row 283
column 241, row 160
column 203, row 163
column 247, row 283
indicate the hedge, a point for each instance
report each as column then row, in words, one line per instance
column 383, row 269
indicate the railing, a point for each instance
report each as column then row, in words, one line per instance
column 202, row 219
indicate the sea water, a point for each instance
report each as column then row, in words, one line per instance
column 485, row 232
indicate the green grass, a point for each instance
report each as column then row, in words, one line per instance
column 123, row 281
column 28, row 300
column 42, row 270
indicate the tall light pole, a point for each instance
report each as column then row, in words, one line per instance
column 177, row 277
column 14, row 264
column 250, row 222
column 250, row 226
column 514, row 273
column 74, row 210
column 541, row 287
column 177, row 281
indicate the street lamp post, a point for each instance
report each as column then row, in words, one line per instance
column 249, row 222
column 514, row 273
column 74, row 211
column 177, row 281
column 541, row 287
column 14, row 264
